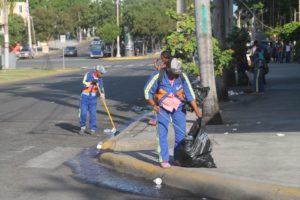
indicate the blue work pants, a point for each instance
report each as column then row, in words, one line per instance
column 88, row 104
column 178, row 118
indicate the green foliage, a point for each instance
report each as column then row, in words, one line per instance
column 17, row 29
column 288, row 32
column 184, row 44
column 237, row 40
column 108, row 32
column 222, row 59
column 148, row 18
column 45, row 22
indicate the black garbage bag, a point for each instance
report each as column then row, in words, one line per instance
column 195, row 149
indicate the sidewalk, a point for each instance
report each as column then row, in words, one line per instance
column 256, row 149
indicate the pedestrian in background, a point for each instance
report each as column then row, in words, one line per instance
column 288, row 51
column 88, row 101
column 258, row 69
column 167, row 97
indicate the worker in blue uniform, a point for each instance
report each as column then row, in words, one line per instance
column 167, row 97
column 88, row 100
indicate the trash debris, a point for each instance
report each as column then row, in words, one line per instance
column 234, row 129
column 226, row 133
column 280, row 134
column 99, row 145
column 157, row 181
column 107, row 130
column 232, row 93
column 195, row 149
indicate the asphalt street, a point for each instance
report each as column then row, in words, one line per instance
column 39, row 126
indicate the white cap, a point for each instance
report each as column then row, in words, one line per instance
column 101, row 69
column 176, row 66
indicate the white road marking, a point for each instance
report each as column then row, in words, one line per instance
column 52, row 158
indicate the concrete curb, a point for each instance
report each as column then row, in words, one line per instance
column 214, row 186
column 111, row 144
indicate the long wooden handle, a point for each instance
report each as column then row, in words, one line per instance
column 106, row 108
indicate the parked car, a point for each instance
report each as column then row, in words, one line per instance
column 107, row 50
column 70, row 51
column 96, row 41
column 96, row 51
column 25, row 52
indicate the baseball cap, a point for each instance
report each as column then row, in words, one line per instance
column 101, row 69
column 176, row 66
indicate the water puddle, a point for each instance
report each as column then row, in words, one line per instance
column 87, row 168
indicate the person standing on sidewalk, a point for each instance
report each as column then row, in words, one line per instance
column 258, row 67
column 167, row 97
column 88, row 100
column 165, row 57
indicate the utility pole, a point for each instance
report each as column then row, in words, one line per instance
column 205, row 55
column 180, row 6
column 118, row 23
column 6, row 35
column 299, row 10
column 29, row 26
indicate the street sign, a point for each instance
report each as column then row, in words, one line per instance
column 62, row 38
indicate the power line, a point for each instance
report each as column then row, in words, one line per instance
column 253, row 14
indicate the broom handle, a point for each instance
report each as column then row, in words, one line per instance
column 106, row 108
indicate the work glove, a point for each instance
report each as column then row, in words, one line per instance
column 94, row 82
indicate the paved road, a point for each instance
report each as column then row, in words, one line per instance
column 38, row 133
column 55, row 60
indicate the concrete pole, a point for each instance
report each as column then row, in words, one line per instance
column 299, row 10
column 29, row 26
column 205, row 55
column 6, row 36
column 118, row 23
column 180, row 6
column 219, row 18
column 228, row 16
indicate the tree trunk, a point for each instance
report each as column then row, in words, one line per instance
column 112, row 49
column 143, row 47
column 152, row 43
column 205, row 54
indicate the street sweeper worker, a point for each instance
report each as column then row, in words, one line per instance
column 167, row 97
column 88, row 100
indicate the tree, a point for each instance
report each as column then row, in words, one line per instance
column 108, row 32
column 147, row 19
column 45, row 23
column 270, row 13
column 17, row 29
